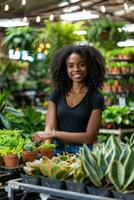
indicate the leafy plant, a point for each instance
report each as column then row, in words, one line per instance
column 105, row 33
column 30, row 121
column 19, row 37
column 118, row 116
column 33, row 168
column 121, row 172
column 57, row 34
column 4, row 109
column 47, row 146
column 11, row 142
column 29, row 146
column 54, row 168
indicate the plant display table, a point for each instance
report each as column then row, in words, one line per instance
column 119, row 132
column 16, row 184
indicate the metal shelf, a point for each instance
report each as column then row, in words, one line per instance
column 119, row 132
column 17, row 185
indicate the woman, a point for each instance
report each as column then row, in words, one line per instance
column 75, row 106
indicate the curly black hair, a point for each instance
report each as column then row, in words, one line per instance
column 95, row 66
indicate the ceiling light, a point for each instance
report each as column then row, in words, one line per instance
column 71, row 8
column 23, row 3
column 6, row 8
column 12, row 22
column 85, row 4
column 25, row 19
column 74, row 1
column 78, row 16
column 51, row 18
column 38, row 19
column 125, row 6
column 103, row 9
column 64, row 3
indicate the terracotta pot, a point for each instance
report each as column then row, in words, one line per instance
column 47, row 152
column 11, row 160
column 29, row 156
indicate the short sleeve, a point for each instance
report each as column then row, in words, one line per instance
column 54, row 96
column 98, row 101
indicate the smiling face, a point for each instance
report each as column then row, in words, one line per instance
column 76, row 68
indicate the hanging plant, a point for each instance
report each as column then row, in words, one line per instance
column 106, row 33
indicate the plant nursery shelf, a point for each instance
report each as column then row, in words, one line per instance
column 119, row 76
column 123, row 60
column 119, row 132
column 14, row 185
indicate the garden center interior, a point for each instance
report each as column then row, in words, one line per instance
column 31, row 32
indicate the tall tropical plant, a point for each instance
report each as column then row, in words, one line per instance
column 58, row 34
column 19, row 37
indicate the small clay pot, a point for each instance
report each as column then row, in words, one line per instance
column 29, row 156
column 11, row 160
column 47, row 152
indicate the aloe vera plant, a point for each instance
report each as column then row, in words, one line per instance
column 91, row 166
column 121, row 173
column 98, row 162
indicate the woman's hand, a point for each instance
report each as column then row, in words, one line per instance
column 42, row 135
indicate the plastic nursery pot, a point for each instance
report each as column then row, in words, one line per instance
column 11, row 160
column 33, row 180
column 104, row 192
column 29, row 156
column 75, row 186
column 47, row 152
column 123, row 196
column 47, row 182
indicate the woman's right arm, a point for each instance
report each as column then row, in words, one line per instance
column 51, row 123
column 51, row 119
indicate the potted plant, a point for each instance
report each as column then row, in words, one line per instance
column 121, row 174
column 32, row 173
column 105, row 33
column 29, row 151
column 54, row 172
column 11, row 144
column 47, row 149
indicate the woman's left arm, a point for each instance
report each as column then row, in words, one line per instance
column 87, row 137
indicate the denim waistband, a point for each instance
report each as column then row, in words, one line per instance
column 68, row 148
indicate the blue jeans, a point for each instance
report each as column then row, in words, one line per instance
column 68, row 148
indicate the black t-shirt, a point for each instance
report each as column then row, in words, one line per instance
column 76, row 119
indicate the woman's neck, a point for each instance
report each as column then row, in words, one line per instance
column 78, row 88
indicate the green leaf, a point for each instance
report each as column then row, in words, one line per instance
column 91, row 173
column 116, row 175
column 129, row 169
column 4, row 121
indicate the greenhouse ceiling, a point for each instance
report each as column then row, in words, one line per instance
column 35, row 11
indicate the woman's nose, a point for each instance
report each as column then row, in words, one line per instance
column 76, row 67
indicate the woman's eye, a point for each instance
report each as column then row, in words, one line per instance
column 82, row 65
column 70, row 66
